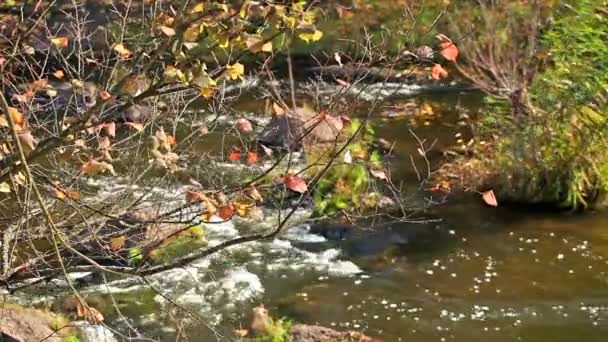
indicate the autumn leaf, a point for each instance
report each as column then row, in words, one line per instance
column 198, row 8
column 244, row 125
column 60, row 42
column 267, row 150
column 278, row 109
column 378, row 174
column 338, row 59
column 252, row 158
column 348, row 157
column 123, row 52
column 27, row 141
column 4, row 187
column 18, row 119
column 167, row 30
column 93, row 167
column 295, row 183
column 171, row 140
column 255, row 43
column 235, row 154
column 226, row 212
column 104, row 95
column 109, row 129
column 136, row 125
column 195, row 196
column 235, row 71
column 438, row 72
column 117, row 243
column 489, row 198
column 59, row 74
column 88, row 313
column 311, row 37
column 447, row 48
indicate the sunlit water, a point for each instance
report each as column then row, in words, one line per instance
column 472, row 273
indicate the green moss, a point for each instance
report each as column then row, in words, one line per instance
column 278, row 331
column 183, row 244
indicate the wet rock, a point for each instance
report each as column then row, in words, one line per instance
column 295, row 128
column 316, row 333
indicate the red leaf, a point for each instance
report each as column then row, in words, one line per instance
column 252, row 158
column 244, row 126
column 489, row 198
column 235, row 154
column 447, row 48
column 438, row 72
column 226, row 212
column 295, row 183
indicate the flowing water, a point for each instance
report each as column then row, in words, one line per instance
column 463, row 272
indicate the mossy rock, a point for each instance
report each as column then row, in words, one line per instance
column 186, row 242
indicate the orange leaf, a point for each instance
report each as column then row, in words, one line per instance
column 244, row 125
column 489, row 198
column 117, row 243
column 235, row 154
column 252, row 158
column 137, row 125
column 447, row 48
column 94, row 167
column 226, row 212
column 104, row 95
column 295, row 183
column 171, row 140
column 438, row 72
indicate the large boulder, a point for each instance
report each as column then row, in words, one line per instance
column 292, row 129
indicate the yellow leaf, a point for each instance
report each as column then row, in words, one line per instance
column 122, row 51
column 4, row 187
column 311, row 37
column 235, row 71
column 199, row 8
column 192, row 33
column 60, row 42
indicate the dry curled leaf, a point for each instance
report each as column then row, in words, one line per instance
column 27, row 141
column 235, row 154
column 88, row 313
column 380, row 174
column 489, row 198
column 278, row 109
